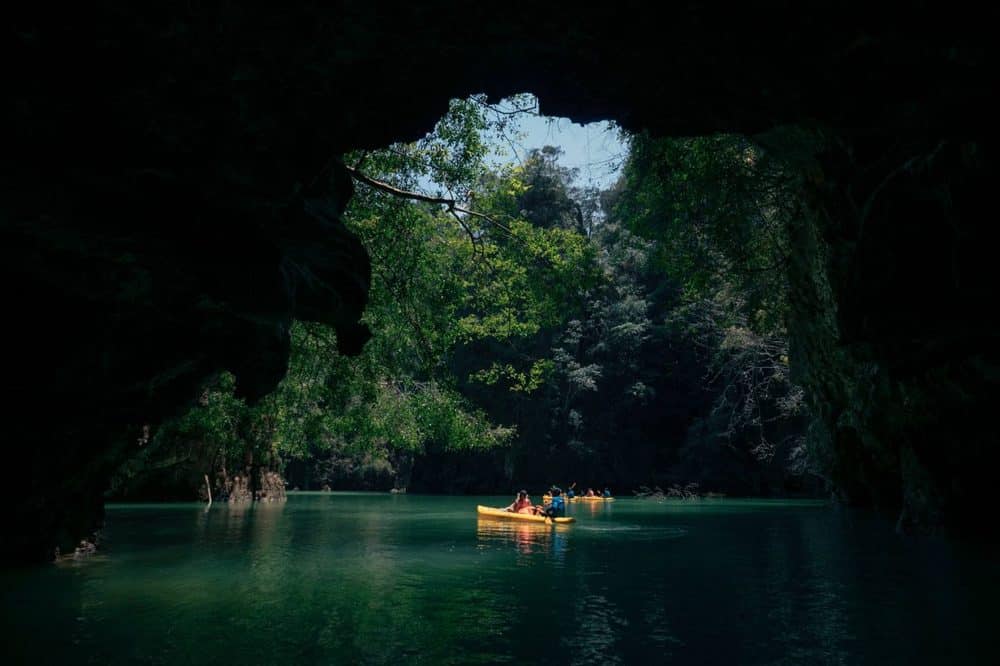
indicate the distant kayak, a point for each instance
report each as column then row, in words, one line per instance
column 510, row 515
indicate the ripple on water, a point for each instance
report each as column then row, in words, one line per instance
column 636, row 532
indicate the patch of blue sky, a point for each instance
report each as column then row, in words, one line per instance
column 596, row 150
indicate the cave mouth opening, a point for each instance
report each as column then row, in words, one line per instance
column 575, row 271
column 527, row 274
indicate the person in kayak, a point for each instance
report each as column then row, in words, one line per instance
column 590, row 492
column 570, row 493
column 607, row 491
column 522, row 504
column 557, row 508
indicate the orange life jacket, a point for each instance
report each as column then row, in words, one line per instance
column 523, row 506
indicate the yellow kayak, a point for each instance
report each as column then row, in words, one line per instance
column 595, row 498
column 527, row 517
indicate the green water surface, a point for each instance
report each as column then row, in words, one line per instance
column 375, row 578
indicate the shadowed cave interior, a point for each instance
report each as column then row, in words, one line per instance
column 172, row 201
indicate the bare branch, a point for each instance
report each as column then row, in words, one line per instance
column 451, row 204
column 531, row 109
column 397, row 192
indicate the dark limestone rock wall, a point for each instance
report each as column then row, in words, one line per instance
column 170, row 196
column 893, row 287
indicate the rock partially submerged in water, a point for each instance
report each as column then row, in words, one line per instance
column 270, row 487
column 84, row 550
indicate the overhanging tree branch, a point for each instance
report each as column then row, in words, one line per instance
column 452, row 205
column 531, row 109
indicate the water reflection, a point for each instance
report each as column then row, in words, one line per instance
column 525, row 538
column 591, row 508
column 600, row 626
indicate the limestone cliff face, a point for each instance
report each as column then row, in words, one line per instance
column 171, row 197
column 892, row 280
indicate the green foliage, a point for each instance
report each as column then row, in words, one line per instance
column 215, row 423
column 442, row 280
column 720, row 209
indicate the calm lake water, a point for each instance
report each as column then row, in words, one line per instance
column 365, row 578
